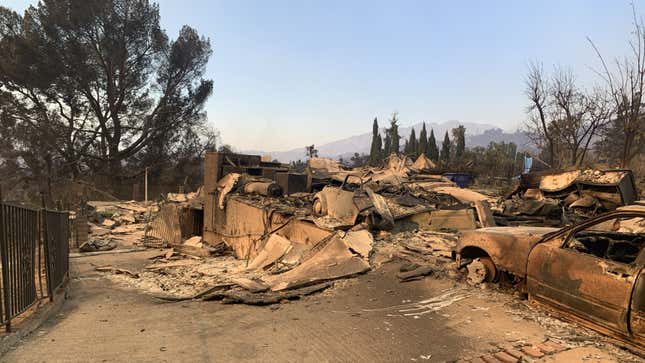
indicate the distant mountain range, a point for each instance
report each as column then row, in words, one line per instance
column 477, row 134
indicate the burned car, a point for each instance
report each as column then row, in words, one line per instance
column 592, row 272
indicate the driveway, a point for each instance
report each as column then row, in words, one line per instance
column 362, row 319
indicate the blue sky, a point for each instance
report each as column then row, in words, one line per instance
column 291, row 73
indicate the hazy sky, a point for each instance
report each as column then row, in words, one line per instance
column 291, row 73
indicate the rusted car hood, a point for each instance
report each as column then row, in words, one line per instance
column 508, row 247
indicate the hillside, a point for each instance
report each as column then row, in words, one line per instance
column 477, row 134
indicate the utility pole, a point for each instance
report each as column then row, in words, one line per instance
column 146, row 186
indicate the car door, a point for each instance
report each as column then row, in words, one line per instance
column 586, row 284
column 637, row 311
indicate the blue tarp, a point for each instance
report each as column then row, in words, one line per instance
column 461, row 179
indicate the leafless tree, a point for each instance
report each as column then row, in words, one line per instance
column 626, row 83
column 537, row 87
column 564, row 118
column 577, row 116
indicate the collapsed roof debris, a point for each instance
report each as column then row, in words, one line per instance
column 332, row 258
column 560, row 198
column 291, row 242
column 115, row 224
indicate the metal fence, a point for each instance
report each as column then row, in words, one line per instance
column 57, row 248
column 22, row 233
column 18, row 244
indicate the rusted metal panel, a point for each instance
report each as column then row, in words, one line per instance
column 274, row 248
column 637, row 311
column 339, row 204
column 484, row 213
column 335, row 208
column 167, row 226
column 242, row 226
column 381, row 216
column 508, row 247
column 334, row 259
column 338, row 208
column 459, row 219
column 627, row 187
column 558, row 182
column 594, row 289
column 462, row 195
column 587, row 283
column 303, row 232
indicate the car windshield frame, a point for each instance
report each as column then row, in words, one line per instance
column 570, row 230
column 601, row 219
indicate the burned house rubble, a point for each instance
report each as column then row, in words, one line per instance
column 244, row 210
column 284, row 234
column 571, row 196
column 295, row 231
column 258, row 233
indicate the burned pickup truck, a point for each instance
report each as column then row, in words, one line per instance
column 592, row 272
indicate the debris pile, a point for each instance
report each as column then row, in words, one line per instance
column 422, row 253
column 241, row 239
column 116, row 224
column 401, row 195
column 567, row 197
column 291, row 245
column 172, row 275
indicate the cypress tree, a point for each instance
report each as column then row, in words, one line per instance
column 387, row 148
column 433, row 150
column 394, row 135
column 445, row 149
column 412, row 144
column 459, row 135
column 376, row 151
column 422, row 146
column 379, row 149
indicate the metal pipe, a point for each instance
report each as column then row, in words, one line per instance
column 269, row 189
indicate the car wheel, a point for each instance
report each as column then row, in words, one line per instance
column 319, row 207
column 482, row 269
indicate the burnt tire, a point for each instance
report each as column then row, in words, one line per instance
column 481, row 270
column 319, row 207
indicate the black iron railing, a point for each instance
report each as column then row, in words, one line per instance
column 18, row 244
column 30, row 240
column 57, row 248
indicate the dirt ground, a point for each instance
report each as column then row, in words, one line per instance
column 373, row 317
